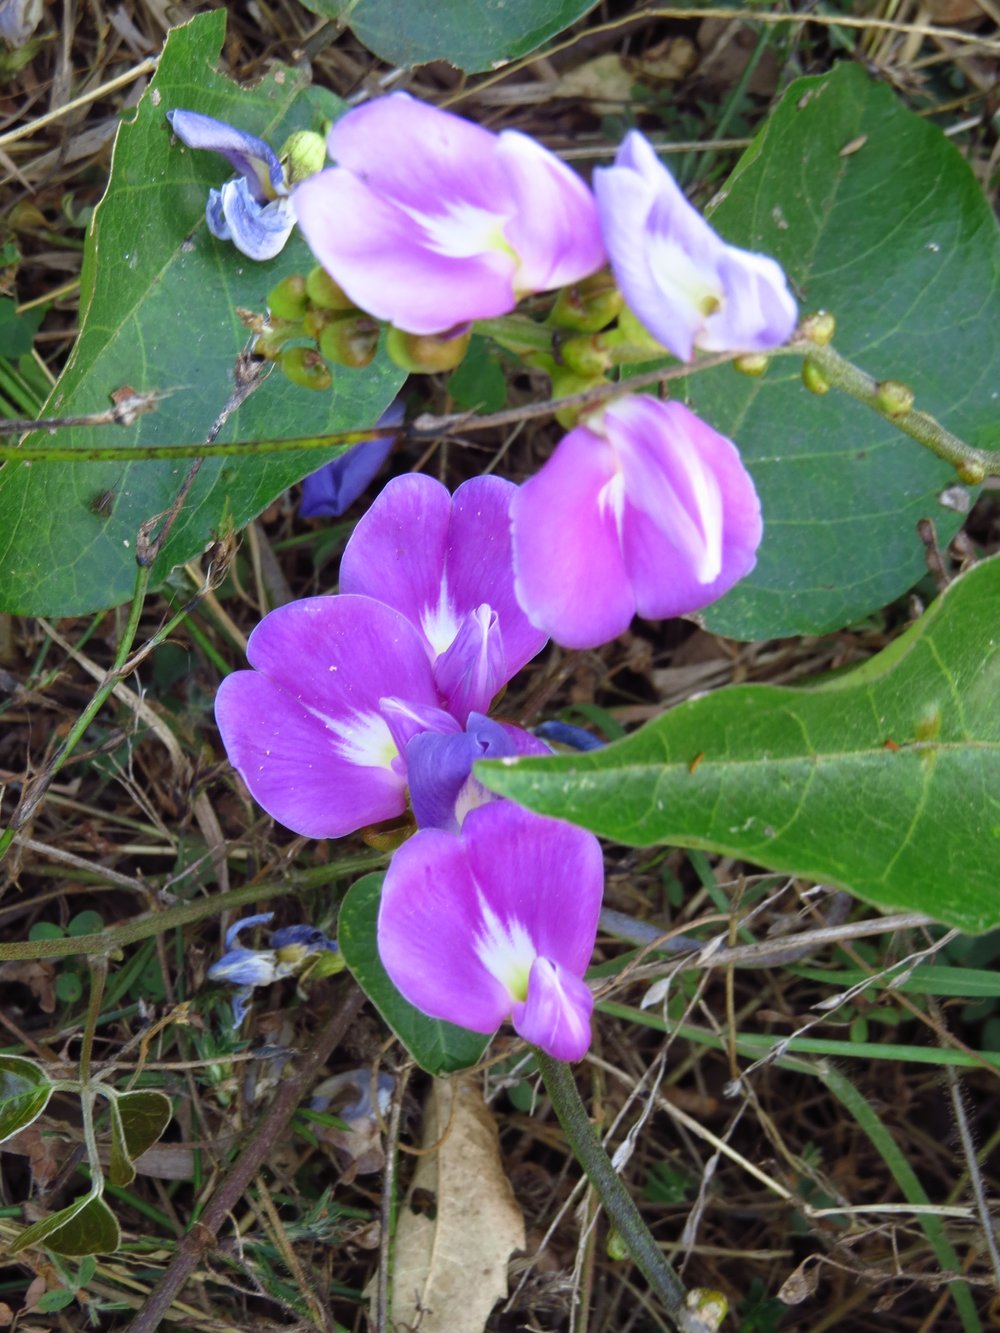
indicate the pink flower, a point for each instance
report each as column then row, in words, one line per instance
column 429, row 221
column 643, row 509
column 497, row 921
column 683, row 282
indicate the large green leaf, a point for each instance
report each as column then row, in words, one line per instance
column 474, row 35
column 876, row 217
column 158, row 303
column 438, row 1047
column 885, row 780
column 25, row 1090
column 87, row 1226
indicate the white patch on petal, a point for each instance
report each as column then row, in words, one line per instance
column 677, row 273
column 440, row 623
column 363, row 739
column 505, row 949
column 611, row 499
column 707, row 521
column 460, row 230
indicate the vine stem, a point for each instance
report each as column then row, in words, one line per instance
column 696, row 1311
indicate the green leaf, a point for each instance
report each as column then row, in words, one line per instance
column 438, row 1047
column 968, row 983
column 17, row 332
column 158, row 311
column 877, row 218
column 87, row 1226
column 138, row 1120
column 885, row 780
column 479, row 382
column 473, row 37
column 24, row 1093
column 52, row 1301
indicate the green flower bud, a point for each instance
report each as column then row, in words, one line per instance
column 586, row 356
column 565, row 383
column 587, row 306
column 711, row 1307
column 426, row 353
column 306, row 368
column 818, row 328
column 270, row 342
column 288, row 299
column 351, row 341
column 616, row 1247
column 894, row 399
column 813, row 378
column 752, row 364
column 636, row 335
column 325, row 293
column 304, row 153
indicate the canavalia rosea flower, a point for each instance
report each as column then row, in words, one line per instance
column 642, row 509
column 497, row 921
column 333, row 488
column 254, row 210
column 429, row 221
column 445, row 562
column 684, row 283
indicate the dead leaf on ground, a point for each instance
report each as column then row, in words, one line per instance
column 38, row 975
column 450, row 1267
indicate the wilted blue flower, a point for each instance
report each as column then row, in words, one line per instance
column 253, row 211
column 291, row 948
column 333, row 488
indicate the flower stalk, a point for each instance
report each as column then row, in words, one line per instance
column 696, row 1311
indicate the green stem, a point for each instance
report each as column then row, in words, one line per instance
column 689, row 1315
column 33, row 794
column 973, row 465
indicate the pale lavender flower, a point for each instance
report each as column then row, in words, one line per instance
column 333, row 488
column 429, row 221
column 497, row 921
column 683, row 282
column 445, row 562
column 253, row 211
column 643, row 509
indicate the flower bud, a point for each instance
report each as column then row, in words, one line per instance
column 427, row 353
column 586, row 356
column 818, row 328
column 304, row 152
column 587, row 306
column 306, row 368
column 350, row 341
column 566, row 383
column 325, row 293
column 272, row 339
column 894, row 399
column 813, row 378
column 752, row 365
column 288, row 299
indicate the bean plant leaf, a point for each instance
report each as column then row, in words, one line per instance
column 158, row 304
column 25, row 1090
column 885, row 780
column 876, row 217
column 138, row 1120
column 473, row 37
column 87, row 1226
column 437, row 1046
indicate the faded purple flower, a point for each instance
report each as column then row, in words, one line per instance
column 253, row 211
column 497, row 921
column 445, row 562
column 684, row 283
column 643, row 509
column 429, row 221
column 333, row 488
column 291, row 948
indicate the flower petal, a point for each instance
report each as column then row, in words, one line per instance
column 255, row 160
column 556, row 1014
column 439, row 770
column 333, row 488
column 470, row 672
column 568, row 564
column 258, row 231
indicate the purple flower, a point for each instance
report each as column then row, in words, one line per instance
column 333, row 488
column 497, row 921
column 429, row 221
column 311, row 729
column 445, row 562
column 686, row 285
column 644, row 509
column 291, row 949
column 253, row 211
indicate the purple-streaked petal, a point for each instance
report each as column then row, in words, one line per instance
column 429, row 917
column 568, row 562
column 255, row 160
column 556, row 1014
column 258, row 231
column 333, row 488
column 683, row 282
column 406, row 719
column 234, row 931
column 471, row 671
column 555, row 230
column 305, row 729
column 439, row 768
